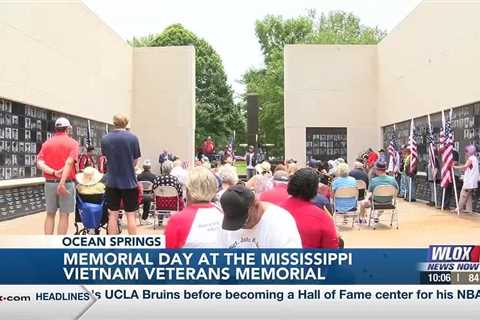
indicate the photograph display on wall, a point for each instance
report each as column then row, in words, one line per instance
column 23, row 129
column 326, row 143
column 466, row 130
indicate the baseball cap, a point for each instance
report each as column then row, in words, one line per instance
column 381, row 165
column 62, row 123
column 235, row 203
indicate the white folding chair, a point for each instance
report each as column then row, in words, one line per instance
column 343, row 193
column 167, row 200
column 384, row 191
column 147, row 190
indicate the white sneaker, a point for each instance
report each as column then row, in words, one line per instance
column 146, row 222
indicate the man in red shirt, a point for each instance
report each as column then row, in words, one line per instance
column 372, row 158
column 208, row 148
column 316, row 228
column 57, row 159
column 278, row 193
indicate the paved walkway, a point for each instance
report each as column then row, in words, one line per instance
column 420, row 226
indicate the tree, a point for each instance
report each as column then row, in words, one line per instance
column 216, row 113
column 273, row 33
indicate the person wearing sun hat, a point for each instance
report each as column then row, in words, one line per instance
column 263, row 180
column 89, row 182
column 90, row 189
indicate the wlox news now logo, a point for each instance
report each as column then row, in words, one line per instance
column 453, row 258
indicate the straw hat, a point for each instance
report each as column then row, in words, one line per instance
column 89, row 177
column 263, row 168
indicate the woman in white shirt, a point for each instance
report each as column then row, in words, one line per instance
column 470, row 178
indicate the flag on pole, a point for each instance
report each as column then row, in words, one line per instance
column 393, row 154
column 446, row 143
column 412, row 146
column 432, row 159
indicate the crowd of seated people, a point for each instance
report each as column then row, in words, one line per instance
column 288, row 207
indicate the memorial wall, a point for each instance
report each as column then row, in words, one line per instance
column 330, row 86
column 58, row 58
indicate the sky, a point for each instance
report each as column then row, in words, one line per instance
column 229, row 25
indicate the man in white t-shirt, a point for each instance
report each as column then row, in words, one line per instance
column 250, row 223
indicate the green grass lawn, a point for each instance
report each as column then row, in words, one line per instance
column 241, row 167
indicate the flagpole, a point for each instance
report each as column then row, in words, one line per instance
column 432, row 165
column 453, row 173
column 410, row 163
column 443, row 146
column 443, row 198
column 89, row 134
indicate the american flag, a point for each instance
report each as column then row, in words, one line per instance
column 412, row 145
column 431, row 150
column 446, row 143
column 393, row 152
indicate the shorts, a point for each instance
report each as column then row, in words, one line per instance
column 126, row 199
column 54, row 202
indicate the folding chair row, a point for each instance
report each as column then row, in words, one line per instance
column 383, row 198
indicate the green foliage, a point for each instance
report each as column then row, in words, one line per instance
column 273, row 33
column 216, row 113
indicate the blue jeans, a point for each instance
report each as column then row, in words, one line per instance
column 407, row 187
column 403, row 184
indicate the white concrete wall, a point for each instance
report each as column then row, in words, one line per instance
column 430, row 62
column 59, row 55
column 164, row 101
column 330, row 86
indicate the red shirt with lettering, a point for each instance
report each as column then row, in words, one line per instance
column 196, row 226
column 316, row 227
column 55, row 152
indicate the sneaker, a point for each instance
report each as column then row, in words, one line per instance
column 146, row 222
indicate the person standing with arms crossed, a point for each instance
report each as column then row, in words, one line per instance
column 57, row 159
column 122, row 150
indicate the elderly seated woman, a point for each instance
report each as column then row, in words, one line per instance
column 228, row 176
column 198, row 225
column 343, row 180
column 90, row 189
column 166, row 179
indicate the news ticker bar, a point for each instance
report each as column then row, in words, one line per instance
column 238, row 302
